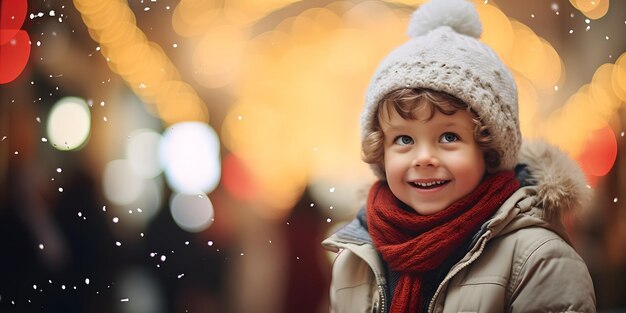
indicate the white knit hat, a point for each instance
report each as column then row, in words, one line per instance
column 444, row 54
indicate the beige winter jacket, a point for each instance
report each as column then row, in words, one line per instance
column 520, row 261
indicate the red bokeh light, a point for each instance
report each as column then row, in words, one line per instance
column 598, row 154
column 14, row 42
column 237, row 179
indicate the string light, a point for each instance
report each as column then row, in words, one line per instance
column 141, row 63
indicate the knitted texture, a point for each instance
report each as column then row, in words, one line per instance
column 445, row 55
column 414, row 244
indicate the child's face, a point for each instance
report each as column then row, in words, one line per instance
column 431, row 164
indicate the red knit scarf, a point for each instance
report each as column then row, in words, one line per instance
column 414, row 244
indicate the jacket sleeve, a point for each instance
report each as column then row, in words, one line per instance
column 551, row 277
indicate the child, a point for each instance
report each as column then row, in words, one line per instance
column 463, row 219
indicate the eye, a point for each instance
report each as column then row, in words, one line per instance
column 403, row 140
column 449, row 137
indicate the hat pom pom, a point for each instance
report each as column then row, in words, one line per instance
column 460, row 15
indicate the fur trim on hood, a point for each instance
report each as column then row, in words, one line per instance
column 562, row 186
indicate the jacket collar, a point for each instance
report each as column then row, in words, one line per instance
column 355, row 231
column 561, row 185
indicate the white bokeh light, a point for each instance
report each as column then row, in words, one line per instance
column 69, row 123
column 142, row 152
column 120, row 185
column 337, row 199
column 190, row 155
column 145, row 207
column 193, row 213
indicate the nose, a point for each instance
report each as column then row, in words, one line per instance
column 425, row 156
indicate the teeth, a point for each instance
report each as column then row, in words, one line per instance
column 430, row 184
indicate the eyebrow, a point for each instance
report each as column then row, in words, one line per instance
column 455, row 124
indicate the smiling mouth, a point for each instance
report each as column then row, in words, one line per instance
column 429, row 185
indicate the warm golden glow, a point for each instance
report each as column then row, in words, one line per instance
column 294, row 134
column 217, row 58
column 594, row 103
column 534, row 58
column 194, row 17
column 301, row 95
column 593, row 9
column 141, row 63
column 618, row 77
column 497, row 29
column 246, row 12
column 528, row 99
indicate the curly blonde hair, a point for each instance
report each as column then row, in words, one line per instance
column 409, row 102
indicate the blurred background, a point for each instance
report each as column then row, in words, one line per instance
column 190, row 156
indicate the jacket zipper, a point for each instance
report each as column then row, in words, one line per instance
column 382, row 290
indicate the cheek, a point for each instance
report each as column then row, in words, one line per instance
column 468, row 165
column 393, row 165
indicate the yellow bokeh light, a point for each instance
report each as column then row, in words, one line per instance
column 618, row 77
column 535, row 58
column 142, row 64
column 217, row 58
column 528, row 103
column 599, row 11
column 245, row 12
column 593, row 9
column 193, row 17
column 552, row 70
column 497, row 29
column 178, row 102
column 605, row 101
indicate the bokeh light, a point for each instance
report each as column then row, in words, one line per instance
column 14, row 42
column 193, row 17
column 217, row 58
column 593, row 9
column 14, row 56
column 147, row 203
column 142, row 152
column 190, row 156
column 497, row 29
column 599, row 153
column 12, row 16
column 315, row 132
column 69, row 123
column 139, row 291
column 120, row 185
column 618, row 77
column 193, row 213
column 339, row 200
column 237, row 179
column 595, row 103
column 534, row 58
column 143, row 64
